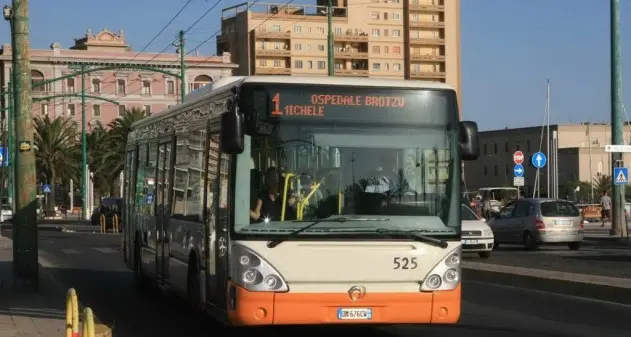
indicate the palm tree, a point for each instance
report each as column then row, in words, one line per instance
column 602, row 183
column 114, row 154
column 97, row 144
column 56, row 142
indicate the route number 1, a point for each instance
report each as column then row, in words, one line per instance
column 276, row 101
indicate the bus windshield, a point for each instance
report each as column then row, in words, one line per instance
column 373, row 175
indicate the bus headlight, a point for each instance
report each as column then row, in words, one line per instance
column 253, row 273
column 446, row 274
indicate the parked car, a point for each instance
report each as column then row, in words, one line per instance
column 109, row 207
column 6, row 214
column 477, row 236
column 536, row 221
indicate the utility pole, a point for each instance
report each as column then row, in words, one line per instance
column 331, row 52
column 618, row 224
column 182, row 68
column 25, row 245
column 84, row 151
column 11, row 148
column 548, row 137
column 5, row 149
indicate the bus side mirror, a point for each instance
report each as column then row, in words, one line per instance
column 232, row 132
column 469, row 147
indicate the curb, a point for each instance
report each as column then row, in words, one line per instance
column 572, row 288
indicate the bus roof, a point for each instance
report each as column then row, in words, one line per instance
column 227, row 83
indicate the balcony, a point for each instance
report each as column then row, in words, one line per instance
column 261, row 34
column 350, row 38
column 223, row 38
column 273, row 52
column 272, row 71
column 421, row 75
column 421, row 57
column 350, row 54
column 352, row 72
column 427, row 24
column 427, row 8
column 427, row 41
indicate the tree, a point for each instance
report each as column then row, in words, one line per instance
column 116, row 145
column 56, row 145
column 601, row 183
column 97, row 144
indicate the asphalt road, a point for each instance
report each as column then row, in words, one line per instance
column 92, row 264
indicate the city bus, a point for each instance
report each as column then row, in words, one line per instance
column 271, row 200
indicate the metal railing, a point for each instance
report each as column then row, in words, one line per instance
column 115, row 224
column 73, row 319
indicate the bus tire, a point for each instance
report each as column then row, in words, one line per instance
column 140, row 279
column 193, row 284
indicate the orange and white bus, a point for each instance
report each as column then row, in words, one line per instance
column 272, row 200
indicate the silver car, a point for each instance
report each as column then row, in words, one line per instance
column 534, row 221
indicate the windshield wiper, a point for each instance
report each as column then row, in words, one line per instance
column 276, row 242
column 416, row 237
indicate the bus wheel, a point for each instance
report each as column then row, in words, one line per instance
column 194, row 292
column 139, row 278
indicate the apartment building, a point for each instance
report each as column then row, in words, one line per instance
column 110, row 90
column 398, row 39
column 581, row 154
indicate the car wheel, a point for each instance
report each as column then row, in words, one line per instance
column 574, row 245
column 529, row 241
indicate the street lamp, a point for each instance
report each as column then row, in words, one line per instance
column 7, row 12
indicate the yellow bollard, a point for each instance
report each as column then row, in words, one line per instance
column 115, row 224
column 103, row 223
column 72, row 313
column 88, row 323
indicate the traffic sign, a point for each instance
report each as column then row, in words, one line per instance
column 618, row 148
column 4, row 156
column 518, row 171
column 621, row 176
column 518, row 157
column 46, row 188
column 518, row 181
column 538, row 160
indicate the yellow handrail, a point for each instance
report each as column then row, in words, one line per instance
column 303, row 203
column 282, row 212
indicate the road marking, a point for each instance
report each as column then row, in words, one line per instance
column 106, row 250
column 550, row 274
column 70, row 251
column 547, row 293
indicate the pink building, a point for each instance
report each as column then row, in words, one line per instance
column 146, row 89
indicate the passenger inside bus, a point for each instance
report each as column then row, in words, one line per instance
column 269, row 203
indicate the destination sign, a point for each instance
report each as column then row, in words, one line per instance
column 360, row 104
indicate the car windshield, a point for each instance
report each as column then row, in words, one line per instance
column 468, row 215
column 559, row 208
column 396, row 178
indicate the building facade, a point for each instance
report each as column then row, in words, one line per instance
column 581, row 155
column 147, row 89
column 398, row 39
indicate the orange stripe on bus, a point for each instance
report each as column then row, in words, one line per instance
column 263, row 308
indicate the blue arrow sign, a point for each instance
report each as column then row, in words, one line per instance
column 4, row 156
column 46, row 188
column 518, row 171
column 538, row 160
column 620, row 175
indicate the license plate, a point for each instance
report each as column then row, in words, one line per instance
column 563, row 222
column 470, row 242
column 354, row 313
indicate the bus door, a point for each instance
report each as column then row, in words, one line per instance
column 163, row 210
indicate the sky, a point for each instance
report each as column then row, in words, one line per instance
column 509, row 48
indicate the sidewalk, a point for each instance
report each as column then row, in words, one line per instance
column 39, row 314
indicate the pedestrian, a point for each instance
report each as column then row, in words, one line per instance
column 605, row 203
column 486, row 208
